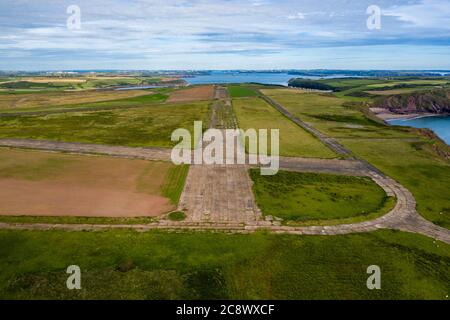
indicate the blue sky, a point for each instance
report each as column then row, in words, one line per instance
column 226, row 34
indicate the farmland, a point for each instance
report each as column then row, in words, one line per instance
column 47, row 184
column 294, row 141
column 144, row 125
column 272, row 242
column 18, row 102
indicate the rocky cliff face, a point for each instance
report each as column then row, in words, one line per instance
column 434, row 101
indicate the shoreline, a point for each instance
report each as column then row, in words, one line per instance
column 387, row 116
column 414, row 116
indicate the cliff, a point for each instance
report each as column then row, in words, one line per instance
column 435, row 101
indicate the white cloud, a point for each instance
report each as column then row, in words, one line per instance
column 155, row 29
column 425, row 14
column 298, row 16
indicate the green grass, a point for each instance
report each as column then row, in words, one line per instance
column 302, row 197
column 157, row 265
column 149, row 126
column 347, row 83
column 177, row 216
column 398, row 152
column 333, row 116
column 127, row 103
column 242, row 91
column 411, row 82
column 175, row 180
column 294, row 141
column 76, row 220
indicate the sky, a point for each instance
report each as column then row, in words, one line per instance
column 225, row 34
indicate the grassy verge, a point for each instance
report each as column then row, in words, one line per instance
column 175, row 180
column 384, row 209
column 157, row 265
column 294, row 141
column 310, row 197
column 76, row 220
column 177, row 216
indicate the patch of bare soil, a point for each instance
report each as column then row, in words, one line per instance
column 50, row 184
column 41, row 198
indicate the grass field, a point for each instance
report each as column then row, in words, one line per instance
column 294, row 141
column 397, row 91
column 50, row 184
column 16, row 102
column 241, row 91
column 157, row 265
column 410, row 82
column 332, row 115
column 398, row 152
column 116, row 103
column 147, row 126
column 303, row 197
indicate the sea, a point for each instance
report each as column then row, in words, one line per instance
column 274, row 78
column 440, row 125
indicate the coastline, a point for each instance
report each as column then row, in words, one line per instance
column 387, row 115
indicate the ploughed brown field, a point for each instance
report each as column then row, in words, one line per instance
column 48, row 184
column 192, row 94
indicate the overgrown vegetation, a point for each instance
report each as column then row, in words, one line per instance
column 139, row 127
column 310, row 84
column 177, row 216
column 158, row 265
column 302, row 197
